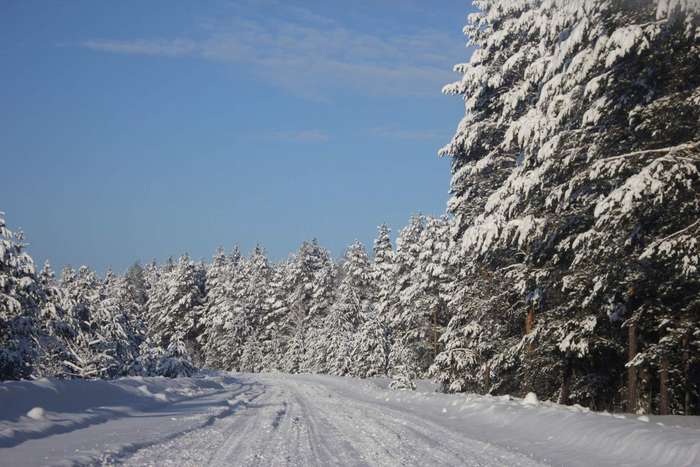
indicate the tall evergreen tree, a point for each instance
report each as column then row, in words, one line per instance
column 271, row 331
column 566, row 173
column 55, row 329
column 19, row 295
column 214, row 307
column 173, row 308
column 352, row 307
column 257, row 275
column 312, row 283
column 136, row 282
column 118, row 323
column 383, row 270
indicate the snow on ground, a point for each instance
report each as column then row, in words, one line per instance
column 85, row 421
column 274, row 419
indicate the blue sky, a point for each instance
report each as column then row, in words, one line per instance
column 138, row 130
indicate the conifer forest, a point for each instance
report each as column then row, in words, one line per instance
column 566, row 264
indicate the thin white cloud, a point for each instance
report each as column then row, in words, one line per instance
column 311, row 55
column 300, row 136
column 171, row 48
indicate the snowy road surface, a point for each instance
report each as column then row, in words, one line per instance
column 309, row 420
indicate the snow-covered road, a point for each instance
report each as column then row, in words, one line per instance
column 309, row 420
column 294, row 421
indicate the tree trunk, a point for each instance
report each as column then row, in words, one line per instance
column 530, row 321
column 646, row 390
column 663, row 386
column 565, row 389
column 487, row 378
column 631, row 370
column 529, row 326
column 686, row 373
column 435, row 338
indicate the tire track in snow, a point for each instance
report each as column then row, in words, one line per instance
column 289, row 422
column 393, row 437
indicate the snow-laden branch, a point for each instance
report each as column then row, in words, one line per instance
column 668, row 149
column 675, row 234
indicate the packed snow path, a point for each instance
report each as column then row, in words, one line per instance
column 288, row 421
column 310, row 420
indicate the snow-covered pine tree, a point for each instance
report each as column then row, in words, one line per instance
column 92, row 353
column 477, row 344
column 219, row 274
column 295, row 351
column 323, row 292
column 224, row 315
column 117, row 321
column 151, row 275
column 382, row 271
column 138, row 287
column 311, row 282
column 55, row 328
column 19, row 294
column 235, row 319
column 352, row 307
column 402, row 361
column 566, row 158
column 172, row 307
column 257, row 276
column 273, row 340
column 433, row 279
column 423, row 311
column 370, row 347
column 251, row 355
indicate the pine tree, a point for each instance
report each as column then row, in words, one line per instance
column 251, row 355
column 353, row 306
column 370, row 351
column 399, row 310
column 119, row 324
column 295, row 351
column 311, row 285
column 138, row 289
column 55, row 329
column 172, row 307
column 19, row 295
column 92, row 353
column 566, row 171
column 257, row 274
column 421, row 313
column 271, row 330
column 218, row 276
column 477, row 345
column 382, row 270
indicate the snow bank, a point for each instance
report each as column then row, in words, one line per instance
column 552, row 433
column 35, row 409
